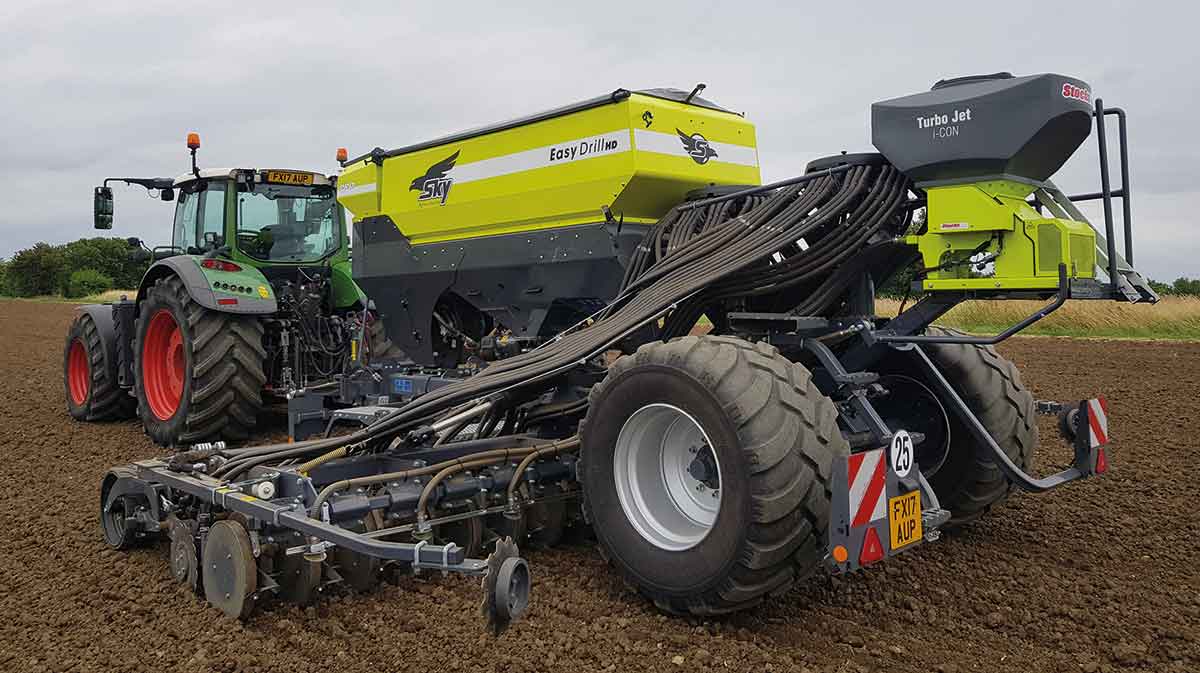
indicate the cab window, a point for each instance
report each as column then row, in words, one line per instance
column 200, row 210
column 186, row 209
column 212, row 216
column 288, row 223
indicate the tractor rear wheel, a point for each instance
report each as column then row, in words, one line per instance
column 198, row 372
column 969, row 482
column 90, row 378
column 706, row 465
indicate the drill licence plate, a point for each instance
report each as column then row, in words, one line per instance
column 289, row 177
column 904, row 519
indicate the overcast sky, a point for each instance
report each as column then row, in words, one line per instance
column 93, row 91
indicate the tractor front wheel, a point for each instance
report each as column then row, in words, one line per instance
column 198, row 372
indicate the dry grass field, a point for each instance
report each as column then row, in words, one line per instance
column 1171, row 318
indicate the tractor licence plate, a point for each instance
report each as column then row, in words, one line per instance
column 289, row 177
column 904, row 519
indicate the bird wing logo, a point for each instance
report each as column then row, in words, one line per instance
column 697, row 147
column 435, row 183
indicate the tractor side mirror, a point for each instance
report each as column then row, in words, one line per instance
column 102, row 208
column 167, row 194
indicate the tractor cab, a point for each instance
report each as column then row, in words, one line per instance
column 256, row 217
column 261, row 217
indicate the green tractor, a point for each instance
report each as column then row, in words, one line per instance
column 252, row 299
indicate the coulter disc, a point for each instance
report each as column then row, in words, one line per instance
column 230, row 574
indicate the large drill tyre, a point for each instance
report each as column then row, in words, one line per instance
column 198, row 373
column 970, row 482
column 677, row 421
column 90, row 376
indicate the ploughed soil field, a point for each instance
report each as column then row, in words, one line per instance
column 1101, row 575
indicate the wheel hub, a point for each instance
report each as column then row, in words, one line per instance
column 667, row 476
column 703, row 467
column 78, row 372
column 910, row 404
column 163, row 365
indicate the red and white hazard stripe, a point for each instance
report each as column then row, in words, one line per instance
column 1098, row 421
column 868, row 481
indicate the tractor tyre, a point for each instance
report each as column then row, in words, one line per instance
column 198, row 373
column 379, row 346
column 90, row 376
column 969, row 483
column 706, row 465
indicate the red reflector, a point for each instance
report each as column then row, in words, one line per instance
column 220, row 265
column 1101, row 461
column 872, row 550
column 227, row 302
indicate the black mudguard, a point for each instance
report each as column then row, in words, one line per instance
column 117, row 346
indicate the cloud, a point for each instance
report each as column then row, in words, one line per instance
column 95, row 91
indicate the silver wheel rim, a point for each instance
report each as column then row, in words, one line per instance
column 667, row 476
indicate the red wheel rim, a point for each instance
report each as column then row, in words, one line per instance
column 79, row 376
column 163, row 365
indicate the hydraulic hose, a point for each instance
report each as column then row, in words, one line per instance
column 492, row 456
column 568, row 444
column 468, row 463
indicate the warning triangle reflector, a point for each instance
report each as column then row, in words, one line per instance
column 872, row 550
column 1101, row 461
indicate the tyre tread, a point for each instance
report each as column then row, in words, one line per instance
column 227, row 370
column 991, row 386
column 107, row 400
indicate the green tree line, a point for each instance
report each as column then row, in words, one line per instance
column 1182, row 286
column 76, row 269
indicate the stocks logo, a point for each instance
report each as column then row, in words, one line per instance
column 1076, row 92
column 697, row 147
column 435, row 184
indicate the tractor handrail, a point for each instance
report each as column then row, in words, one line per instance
column 1106, row 192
